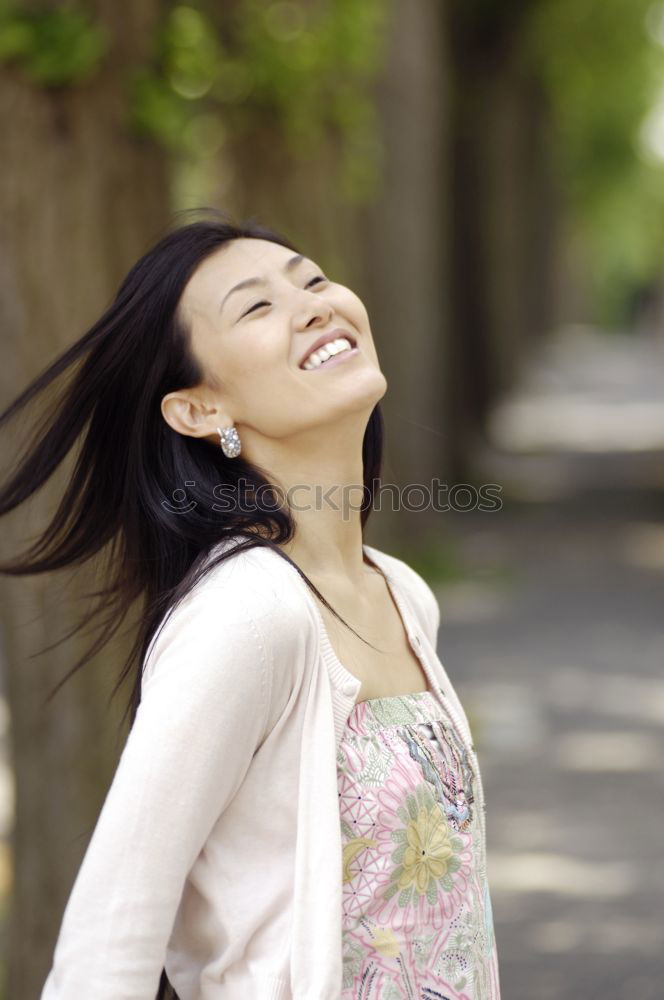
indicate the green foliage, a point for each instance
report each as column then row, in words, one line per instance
column 438, row 561
column 602, row 70
column 54, row 48
column 303, row 68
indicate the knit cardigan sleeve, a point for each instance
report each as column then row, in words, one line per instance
column 205, row 709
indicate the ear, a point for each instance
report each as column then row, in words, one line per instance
column 188, row 415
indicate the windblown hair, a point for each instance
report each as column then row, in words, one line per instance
column 130, row 461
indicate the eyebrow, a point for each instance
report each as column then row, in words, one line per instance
column 248, row 282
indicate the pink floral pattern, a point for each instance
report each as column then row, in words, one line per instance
column 417, row 920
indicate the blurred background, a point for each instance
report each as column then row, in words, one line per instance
column 488, row 176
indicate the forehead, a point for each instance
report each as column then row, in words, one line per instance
column 231, row 263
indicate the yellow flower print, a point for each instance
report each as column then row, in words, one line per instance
column 427, row 852
column 385, row 942
column 428, row 849
column 350, row 850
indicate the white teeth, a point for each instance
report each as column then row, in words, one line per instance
column 323, row 353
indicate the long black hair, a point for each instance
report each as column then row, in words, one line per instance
column 130, row 461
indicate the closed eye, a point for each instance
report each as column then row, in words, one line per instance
column 263, row 302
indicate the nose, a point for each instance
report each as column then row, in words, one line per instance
column 314, row 312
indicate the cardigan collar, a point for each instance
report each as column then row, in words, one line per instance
column 345, row 684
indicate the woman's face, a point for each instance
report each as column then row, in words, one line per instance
column 251, row 341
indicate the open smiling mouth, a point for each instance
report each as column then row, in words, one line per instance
column 333, row 352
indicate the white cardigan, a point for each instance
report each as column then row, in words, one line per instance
column 217, row 852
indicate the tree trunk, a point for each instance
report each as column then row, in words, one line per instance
column 504, row 210
column 81, row 198
column 403, row 235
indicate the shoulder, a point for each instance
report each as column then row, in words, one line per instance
column 247, row 611
column 416, row 589
column 254, row 583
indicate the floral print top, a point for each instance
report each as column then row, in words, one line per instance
column 417, row 919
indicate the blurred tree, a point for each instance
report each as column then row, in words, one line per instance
column 403, row 237
column 555, row 214
column 82, row 195
column 266, row 106
column 504, row 206
column 601, row 64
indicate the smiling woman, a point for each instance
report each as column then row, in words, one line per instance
column 226, row 861
column 257, row 345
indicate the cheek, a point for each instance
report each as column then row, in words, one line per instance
column 247, row 369
column 353, row 306
column 255, row 360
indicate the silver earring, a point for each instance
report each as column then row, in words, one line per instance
column 229, row 441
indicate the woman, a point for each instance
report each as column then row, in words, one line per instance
column 298, row 810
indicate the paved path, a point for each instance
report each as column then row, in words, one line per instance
column 555, row 643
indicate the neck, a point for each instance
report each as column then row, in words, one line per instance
column 323, row 480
